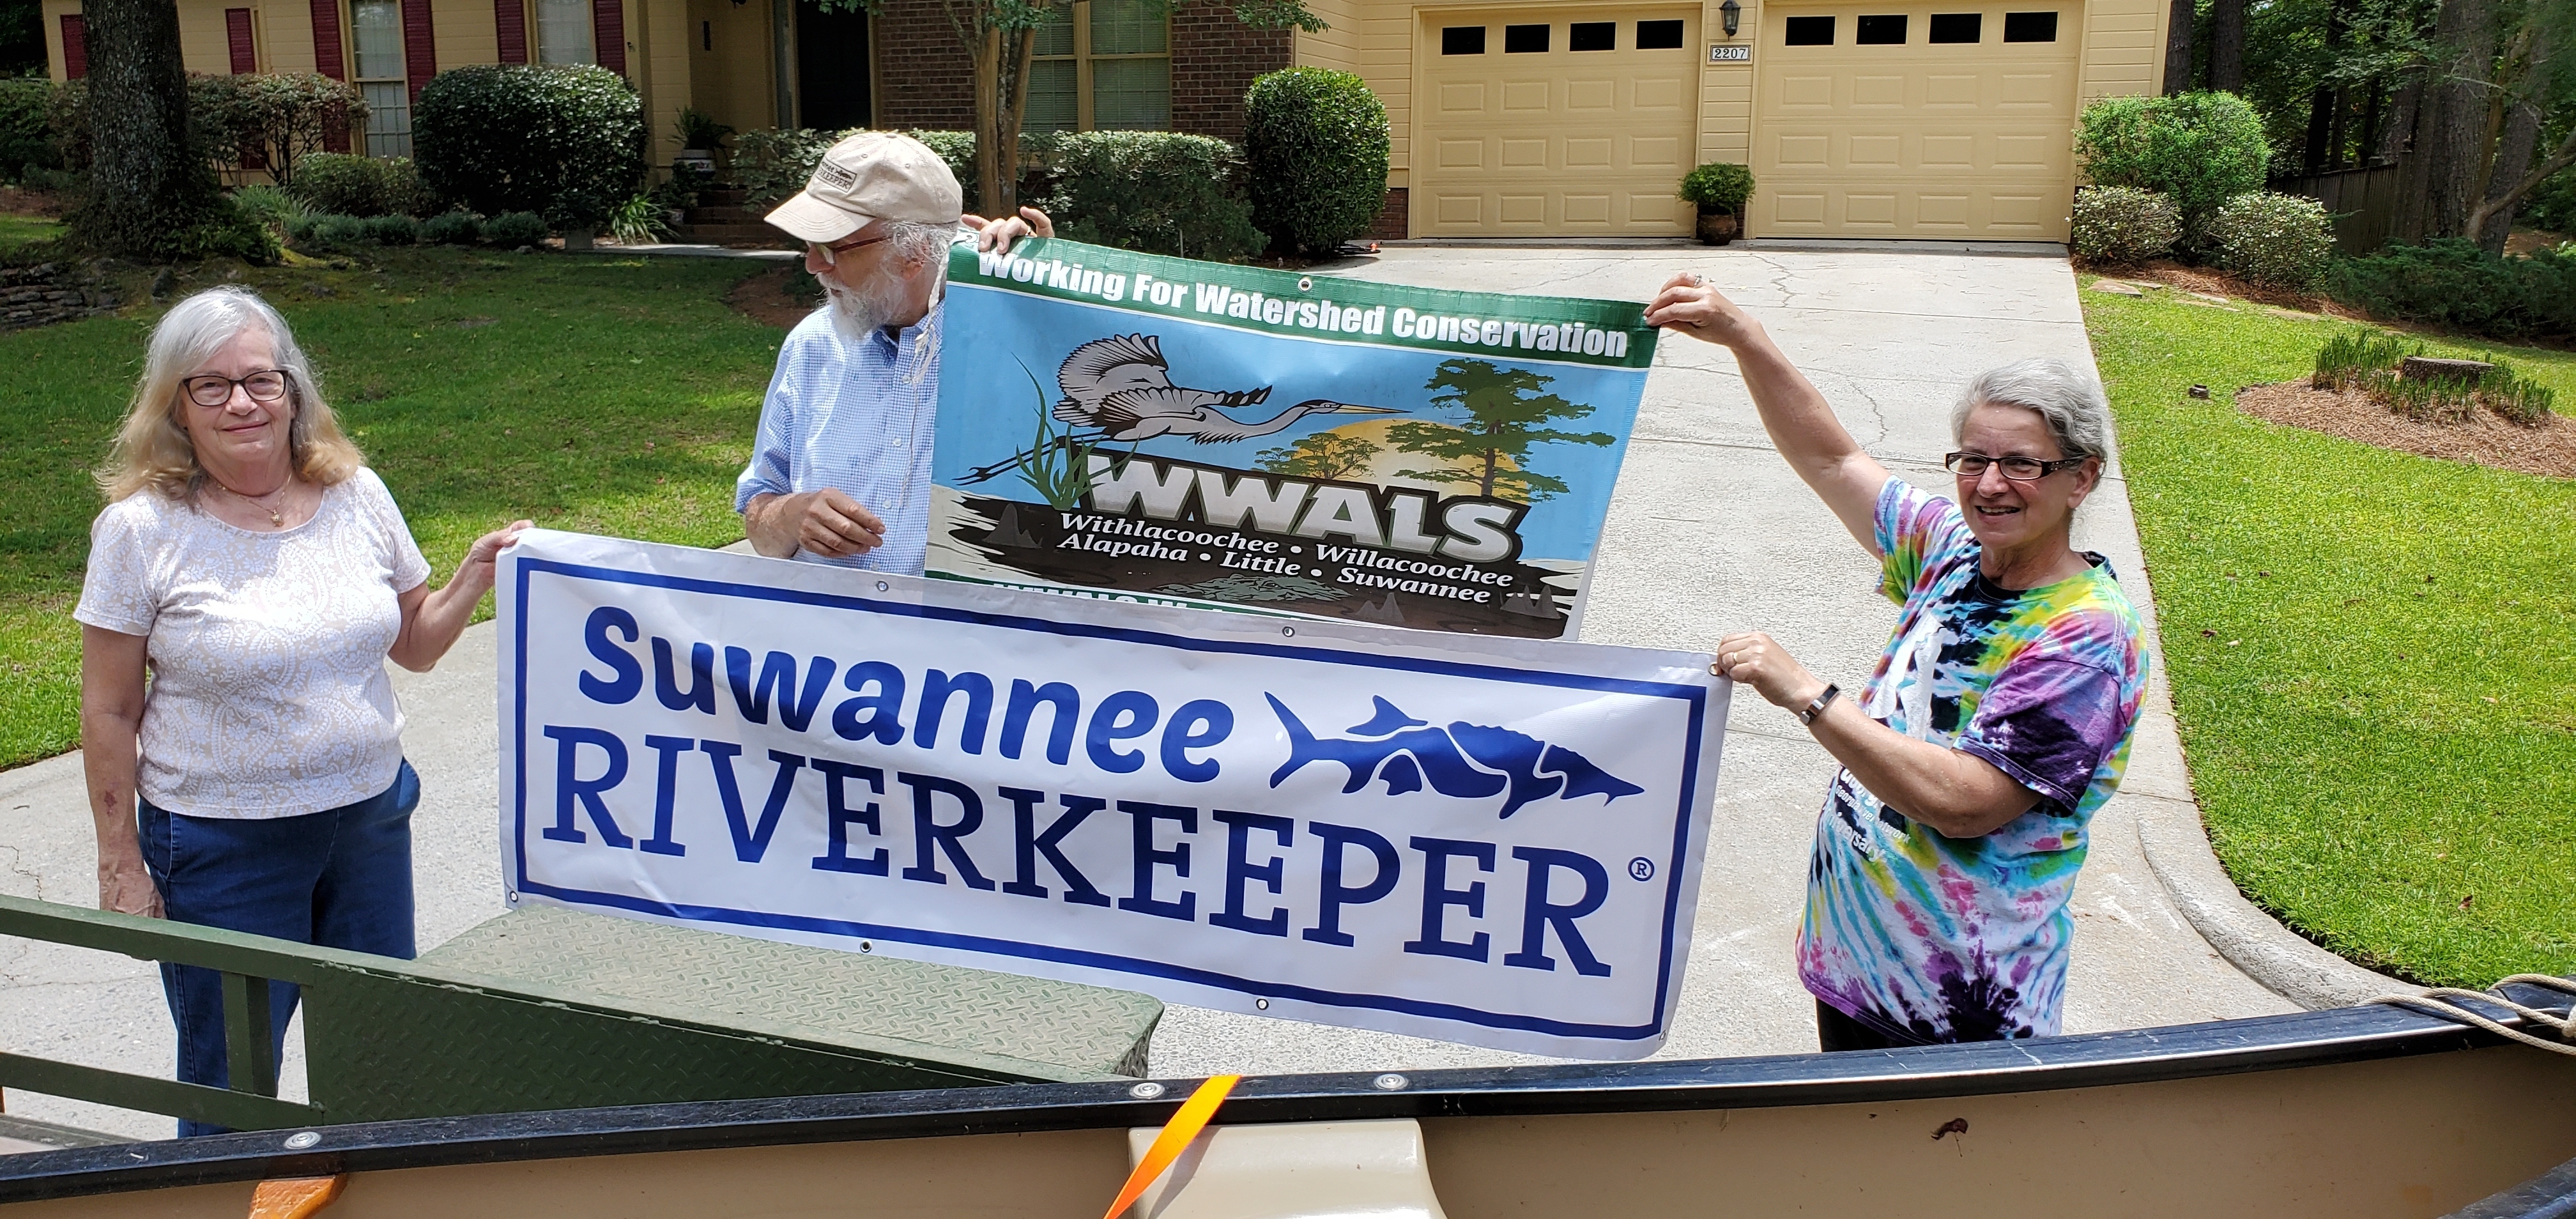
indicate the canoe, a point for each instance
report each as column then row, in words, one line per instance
column 2354, row 1113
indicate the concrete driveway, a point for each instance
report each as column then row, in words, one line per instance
column 1709, row 533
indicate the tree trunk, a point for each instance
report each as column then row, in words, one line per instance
column 2451, row 126
column 2511, row 196
column 2325, row 105
column 145, row 182
column 2227, row 45
column 988, row 120
column 2397, row 123
column 1019, row 50
column 2509, row 177
column 2178, row 59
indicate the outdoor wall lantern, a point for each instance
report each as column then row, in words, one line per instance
column 1731, row 14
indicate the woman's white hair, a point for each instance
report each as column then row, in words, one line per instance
column 2070, row 400
column 152, row 447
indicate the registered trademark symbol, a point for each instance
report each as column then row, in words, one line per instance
column 1642, row 868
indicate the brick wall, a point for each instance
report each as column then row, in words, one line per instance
column 1394, row 221
column 925, row 80
column 1214, row 58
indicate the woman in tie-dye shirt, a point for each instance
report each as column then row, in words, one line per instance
column 1997, row 722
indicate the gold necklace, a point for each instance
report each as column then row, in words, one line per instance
column 275, row 520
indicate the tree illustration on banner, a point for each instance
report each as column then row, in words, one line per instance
column 1506, row 416
column 1325, row 455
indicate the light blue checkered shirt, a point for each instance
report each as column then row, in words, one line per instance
column 857, row 419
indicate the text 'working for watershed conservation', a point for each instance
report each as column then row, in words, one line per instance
column 1156, row 429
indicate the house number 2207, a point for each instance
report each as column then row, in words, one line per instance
column 1731, row 53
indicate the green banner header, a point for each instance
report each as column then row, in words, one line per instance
column 1608, row 334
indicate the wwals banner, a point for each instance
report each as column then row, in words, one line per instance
column 1201, row 434
column 1497, row 844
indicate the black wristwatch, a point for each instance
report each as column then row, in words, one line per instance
column 1817, row 708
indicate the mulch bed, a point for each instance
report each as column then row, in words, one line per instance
column 763, row 298
column 18, row 201
column 2486, row 439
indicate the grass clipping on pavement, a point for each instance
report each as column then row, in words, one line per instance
column 608, row 396
column 2373, row 654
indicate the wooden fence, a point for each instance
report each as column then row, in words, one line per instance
column 2364, row 203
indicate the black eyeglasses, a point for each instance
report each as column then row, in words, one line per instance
column 216, row 389
column 2018, row 469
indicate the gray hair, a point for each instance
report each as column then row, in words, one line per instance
column 152, row 447
column 2069, row 399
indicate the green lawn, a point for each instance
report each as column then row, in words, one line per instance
column 2373, row 654
column 608, row 396
column 24, row 230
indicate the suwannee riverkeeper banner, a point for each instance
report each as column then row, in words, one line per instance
column 1195, row 433
column 1492, row 841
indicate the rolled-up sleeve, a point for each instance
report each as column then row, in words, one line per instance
column 769, row 471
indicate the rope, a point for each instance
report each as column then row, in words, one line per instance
column 2451, row 1003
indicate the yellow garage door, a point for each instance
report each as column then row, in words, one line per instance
column 1554, row 122
column 1948, row 122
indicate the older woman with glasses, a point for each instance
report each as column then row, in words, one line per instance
column 253, row 564
column 1996, row 723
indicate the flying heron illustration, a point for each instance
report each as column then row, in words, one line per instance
column 1120, row 390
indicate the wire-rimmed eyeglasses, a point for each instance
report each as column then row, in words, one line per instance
column 216, row 389
column 2018, row 469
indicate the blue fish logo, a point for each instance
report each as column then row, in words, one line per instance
column 1464, row 760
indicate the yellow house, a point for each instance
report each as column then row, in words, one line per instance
column 1923, row 119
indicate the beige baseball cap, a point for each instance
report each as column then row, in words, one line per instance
column 871, row 176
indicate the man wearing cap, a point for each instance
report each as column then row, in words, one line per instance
column 840, row 471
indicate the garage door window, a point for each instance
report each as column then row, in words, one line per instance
column 1810, row 31
column 1662, row 35
column 1592, row 36
column 1881, row 30
column 1462, row 40
column 1524, row 39
column 1101, row 65
column 1958, row 27
column 2030, row 27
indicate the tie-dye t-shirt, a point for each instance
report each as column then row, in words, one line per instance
column 1929, row 938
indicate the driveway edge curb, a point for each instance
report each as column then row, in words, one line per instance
column 2177, row 848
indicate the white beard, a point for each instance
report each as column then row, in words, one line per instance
column 858, row 312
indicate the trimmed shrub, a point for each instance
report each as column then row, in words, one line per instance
column 2122, row 226
column 1315, row 142
column 2274, row 240
column 327, row 231
column 393, row 230
column 345, row 184
column 1719, row 186
column 515, row 229
column 771, row 163
column 2198, row 149
column 451, row 228
column 26, row 133
column 2451, row 282
column 270, row 120
column 1160, row 192
column 563, row 141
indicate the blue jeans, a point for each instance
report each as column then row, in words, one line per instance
column 340, row 878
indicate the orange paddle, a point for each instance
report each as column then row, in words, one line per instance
column 1177, row 1133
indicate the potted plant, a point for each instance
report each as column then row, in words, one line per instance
column 1720, row 189
column 701, row 136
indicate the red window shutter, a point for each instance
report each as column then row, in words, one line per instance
column 75, row 46
column 237, row 37
column 420, row 50
column 327, row 55
column 510, row 23
column 608, row 29
column 331, row 61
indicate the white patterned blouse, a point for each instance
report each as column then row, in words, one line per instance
column 269, row 696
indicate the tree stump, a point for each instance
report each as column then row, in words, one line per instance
column 2429, row 368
